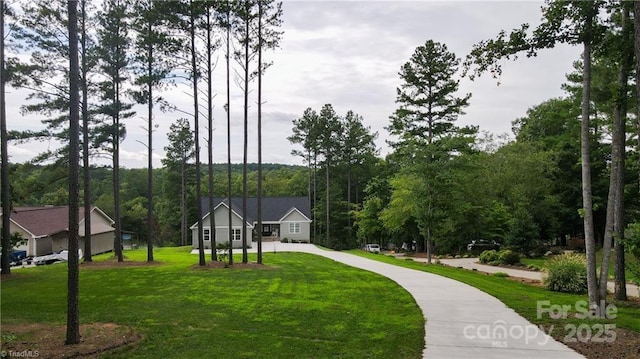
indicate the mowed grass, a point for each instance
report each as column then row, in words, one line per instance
column 523, row 298
column 302, row 306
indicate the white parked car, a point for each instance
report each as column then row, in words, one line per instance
column 373, row 248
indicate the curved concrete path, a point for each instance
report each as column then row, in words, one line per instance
column 460, row 320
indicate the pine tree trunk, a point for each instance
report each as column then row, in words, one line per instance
column 349, row 200
column 194, row 69
column 230, row 219
column 73, row 316
column 86, row 173
column 428, row 239
column 245, row 256
column 116, row 174
column 587, row 200
column 150, row 149
column 636, row 22
column 5, row 196
column 315, row 197
column 259, row 231
column 620, row 118
column 212, row 218
column 328, row 205
column 183, row 201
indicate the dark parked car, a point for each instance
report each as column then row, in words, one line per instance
column 479, row 245
column 17, row 257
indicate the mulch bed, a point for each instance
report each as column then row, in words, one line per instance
column 47, row 341
column 235, row 265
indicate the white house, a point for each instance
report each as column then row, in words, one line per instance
column 46, row 229
column 282, row 217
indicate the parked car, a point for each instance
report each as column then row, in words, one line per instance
column 373, row 248
column 16, row 257
column 63, row 256
column 479, row 245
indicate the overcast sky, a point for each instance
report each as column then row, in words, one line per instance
column 349, row 53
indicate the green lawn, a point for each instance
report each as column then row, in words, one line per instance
column 305, row 306
column 523, row 298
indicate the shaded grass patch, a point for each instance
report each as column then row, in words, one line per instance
column 303, row 306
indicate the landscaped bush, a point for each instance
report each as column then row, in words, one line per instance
column 284, row 240
column 556, row 250
column 507, row 256
column 634, row 269
column 567, row 273
column 488, row 256
column 500, row 274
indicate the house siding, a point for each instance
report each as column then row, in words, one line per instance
column 30, row 245
column 100, row 243
column 222, row 236
column 42, row 246
column 99, row 224
column 305, row 227
column 222, row 228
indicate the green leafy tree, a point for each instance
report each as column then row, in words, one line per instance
column 615, row 222
column 358, row 153
column 212, row 44
column 269, row 20
column 306, row 131
column 245, row 14
column 377, row 193
column 573, row 22
column 153, row 64
column 87, row 64
column 329, row 147
column 114, row 61
column 179, row 153
column 194, row 14
column 399, row 216
column 427, row 138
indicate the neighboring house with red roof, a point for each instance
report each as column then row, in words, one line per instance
column 282, row 217
column 47, row 229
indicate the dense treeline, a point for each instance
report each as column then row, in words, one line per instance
column 37, row 185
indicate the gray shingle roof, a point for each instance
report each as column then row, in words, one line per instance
column 273, row 208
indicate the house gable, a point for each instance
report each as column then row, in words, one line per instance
column 221, row 212
column 100, row 223
column 294, row 215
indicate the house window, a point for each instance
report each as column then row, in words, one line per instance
column 206, row 234
column 266, row 228
column 237, row 234
column 294, row 228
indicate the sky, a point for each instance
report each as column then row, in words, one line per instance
column 348, row 54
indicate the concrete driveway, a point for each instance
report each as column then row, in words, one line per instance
column 460, row 320
column 472, row 263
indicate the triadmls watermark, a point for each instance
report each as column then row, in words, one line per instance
column 19, row 354
column 500, row 334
